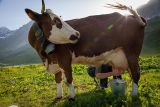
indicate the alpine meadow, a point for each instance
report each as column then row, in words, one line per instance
column 24, row 79
column 32, row 86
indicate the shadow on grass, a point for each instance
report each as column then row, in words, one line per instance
column 98, row 99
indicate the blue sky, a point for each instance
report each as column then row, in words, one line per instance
column 13, row 16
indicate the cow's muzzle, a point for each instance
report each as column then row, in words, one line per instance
column 75, row 36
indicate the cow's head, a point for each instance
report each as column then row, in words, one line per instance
column 55, row 29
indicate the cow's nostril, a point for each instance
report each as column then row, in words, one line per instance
column 73, row 37
column 78, row 34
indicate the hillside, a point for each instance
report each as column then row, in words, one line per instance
column 4, row 32
column 14, row 46
column 152, row 37
column 151, row 9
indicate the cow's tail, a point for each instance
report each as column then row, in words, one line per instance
column 131, row 10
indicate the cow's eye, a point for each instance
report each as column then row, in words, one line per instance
column 58, row 22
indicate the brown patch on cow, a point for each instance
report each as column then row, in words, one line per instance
column 44, row 21
column 58, row 77
column 58, row 22
column 46, row 24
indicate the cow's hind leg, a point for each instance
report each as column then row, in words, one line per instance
column 58, row 79
column 135, row 74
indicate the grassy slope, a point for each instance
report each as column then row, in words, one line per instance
column 31, row 86
column 152, row 37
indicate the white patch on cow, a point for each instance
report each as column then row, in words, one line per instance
column 46, row 64
column 61, row 36
column 115, row 58
column 71, row 90
column 59, row 90
column 64, row 77
column 53, row 68
column 13, row 106
column 134, row 89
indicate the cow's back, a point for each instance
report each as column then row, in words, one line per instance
column 102, row 33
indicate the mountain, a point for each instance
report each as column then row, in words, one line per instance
column 152, row 37
column 14, row 48
column 152, row 32
column 151, row 9
column 4, row 32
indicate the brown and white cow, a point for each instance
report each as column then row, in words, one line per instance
column 105, row 39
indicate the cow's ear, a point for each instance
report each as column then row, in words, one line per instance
column 33, row 15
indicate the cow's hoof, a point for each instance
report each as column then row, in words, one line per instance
column 71, row 99
column 58, row 98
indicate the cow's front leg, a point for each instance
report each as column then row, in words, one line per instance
column 135, row 74
column 64, row 61
column 58, row 79
column 70, row 85
column 68, row 79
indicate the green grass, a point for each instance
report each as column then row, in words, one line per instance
column 32, row 86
